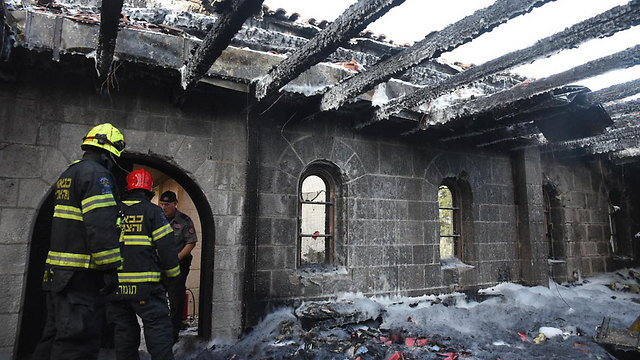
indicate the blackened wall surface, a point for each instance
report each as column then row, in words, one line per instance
column 389, row 239
column 582, row 190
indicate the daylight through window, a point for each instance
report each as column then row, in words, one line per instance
column 448, row 216
column 315, row 237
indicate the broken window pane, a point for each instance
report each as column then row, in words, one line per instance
column 312, row 250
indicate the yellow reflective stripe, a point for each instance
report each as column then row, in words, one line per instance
column 107, row 256
column 97, row 201
column 67, row 212
column 130, row 202
column 69, row 259
column 161, row 232
column 137, row 240
column 136, row 277
column 173, row 272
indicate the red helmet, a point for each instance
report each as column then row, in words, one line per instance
column 139, row 179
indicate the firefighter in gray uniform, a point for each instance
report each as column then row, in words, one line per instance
column 84, row 256
column 186, row 239
column 148, row 252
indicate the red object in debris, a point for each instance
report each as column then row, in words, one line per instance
column 523, row 336
column 185, row 308
column 359, row 358
column 409, row 341
column 409, row 319
column 422, row 342
column 449, row 356
column 397, row 356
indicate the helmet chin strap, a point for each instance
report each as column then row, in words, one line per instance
column 113, row 159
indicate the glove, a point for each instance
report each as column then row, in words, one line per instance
column 110, row 279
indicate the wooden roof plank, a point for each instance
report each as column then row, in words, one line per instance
column 232, row 15
column 615, row 92
column 346, row 26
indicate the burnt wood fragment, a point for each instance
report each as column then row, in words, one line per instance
column 346, row 26
column 109, row 24
column 230, row 20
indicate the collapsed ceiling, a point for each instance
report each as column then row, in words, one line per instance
column 338, row 66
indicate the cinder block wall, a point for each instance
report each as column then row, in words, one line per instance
column 41, row 127
column 389, row 240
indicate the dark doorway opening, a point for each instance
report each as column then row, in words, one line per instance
column 33, row 311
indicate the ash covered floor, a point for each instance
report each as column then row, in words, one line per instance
column 502, row 322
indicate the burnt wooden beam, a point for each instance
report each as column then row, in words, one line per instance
column 612, row 140
column 623, row 108
column 434, row 44
column 109, row 24
column 605, row 24
column 232, row 14
column 501, row 100
column 626, row 156
column 348, row 25
column 615, row 92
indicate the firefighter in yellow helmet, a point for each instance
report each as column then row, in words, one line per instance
column 84, row 256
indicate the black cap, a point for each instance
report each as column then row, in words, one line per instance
column 168, row 196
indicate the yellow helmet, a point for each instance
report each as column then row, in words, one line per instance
column 105, row 136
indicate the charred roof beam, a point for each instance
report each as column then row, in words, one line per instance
column 346, row 26
column 232, row 14
column 434, row 44
column 623, row 108
column 449, row 115
column 109, row 24
column 607, row 142
column 615, row 92
column 605, row 24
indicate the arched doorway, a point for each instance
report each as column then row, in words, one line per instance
column 195, row 204
column 33, row 311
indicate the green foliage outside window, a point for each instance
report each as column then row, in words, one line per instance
column 445, row 215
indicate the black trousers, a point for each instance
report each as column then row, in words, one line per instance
column 154, row 313
column 176, row 290
column 73, row 327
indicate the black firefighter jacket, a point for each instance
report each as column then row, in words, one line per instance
column 84, row 229
column 148, row 250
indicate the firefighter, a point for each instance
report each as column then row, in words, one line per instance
column 148, row 251
column 81, row 266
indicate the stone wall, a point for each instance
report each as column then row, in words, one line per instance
column 389, row 239
column 583, row 194
column 41, row 128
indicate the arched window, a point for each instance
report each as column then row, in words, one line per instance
column 449, row 216
column 316, row 219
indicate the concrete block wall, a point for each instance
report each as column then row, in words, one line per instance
column 584, row 198
column 389, row 242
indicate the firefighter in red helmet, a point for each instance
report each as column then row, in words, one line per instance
column 84, row 256
column 148, row 252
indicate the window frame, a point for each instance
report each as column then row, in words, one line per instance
column 455, row 221
column 330, row 217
